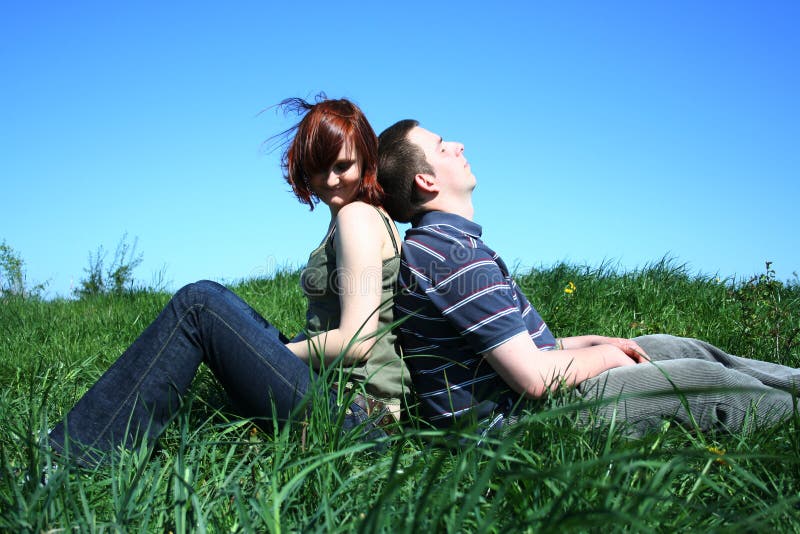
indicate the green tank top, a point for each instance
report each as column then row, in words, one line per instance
column 383, row 374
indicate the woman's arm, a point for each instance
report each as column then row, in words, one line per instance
column 359, row 241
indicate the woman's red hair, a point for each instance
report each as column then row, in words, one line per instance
column 319, row 136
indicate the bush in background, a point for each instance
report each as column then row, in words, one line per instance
column 12, row 275
column 117, row 278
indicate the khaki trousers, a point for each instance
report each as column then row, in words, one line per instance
column 693, row 383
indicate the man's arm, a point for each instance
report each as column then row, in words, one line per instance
column 628, row 346
column 533, row 373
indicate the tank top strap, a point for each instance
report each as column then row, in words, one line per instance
column 388, row 225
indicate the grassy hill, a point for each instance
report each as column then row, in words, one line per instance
column 214, row 472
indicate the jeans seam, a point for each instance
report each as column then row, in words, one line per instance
column 261, row 358
column 149, row 368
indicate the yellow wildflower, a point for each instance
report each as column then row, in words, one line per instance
column 570, row 289
column 719, row 452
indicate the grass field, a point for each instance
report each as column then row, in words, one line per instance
column 213, row 472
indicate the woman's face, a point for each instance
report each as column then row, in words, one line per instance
column 338, row 186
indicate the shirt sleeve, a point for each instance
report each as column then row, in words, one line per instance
column 473, row 294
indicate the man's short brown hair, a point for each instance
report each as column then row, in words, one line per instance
column 399, row 161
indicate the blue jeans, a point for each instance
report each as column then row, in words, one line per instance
column 141, row 392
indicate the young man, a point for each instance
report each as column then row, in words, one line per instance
column 474, row 344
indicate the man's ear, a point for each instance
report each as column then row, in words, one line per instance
column 427, row 182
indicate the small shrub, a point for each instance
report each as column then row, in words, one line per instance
column 769, row 311
column 12, row 275
column 117, row 278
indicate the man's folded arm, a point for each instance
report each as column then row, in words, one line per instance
column 628, row 346
column 533, row 372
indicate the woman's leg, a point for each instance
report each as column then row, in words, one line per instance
column 141, row 392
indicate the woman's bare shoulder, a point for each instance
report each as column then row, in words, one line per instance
column 360, row 224
column 358, row 209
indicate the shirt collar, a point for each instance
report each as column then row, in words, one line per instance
column 430, row 218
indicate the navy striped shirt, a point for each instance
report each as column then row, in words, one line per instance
column 458, row 300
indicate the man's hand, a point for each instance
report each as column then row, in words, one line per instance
column 628, row 346
column 533, row 373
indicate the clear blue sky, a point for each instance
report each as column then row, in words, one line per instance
column 599, row 132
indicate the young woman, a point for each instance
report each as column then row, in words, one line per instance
column 349, row 283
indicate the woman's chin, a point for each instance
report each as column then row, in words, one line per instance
column 337, row 203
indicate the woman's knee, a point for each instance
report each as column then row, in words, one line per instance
column 198, row 292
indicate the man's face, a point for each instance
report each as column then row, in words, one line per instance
column 447, row 159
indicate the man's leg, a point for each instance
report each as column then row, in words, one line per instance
column 665, row 347
column 716, row 397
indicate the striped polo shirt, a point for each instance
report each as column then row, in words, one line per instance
column 457, row 300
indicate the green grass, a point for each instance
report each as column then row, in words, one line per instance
column 213, row 472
